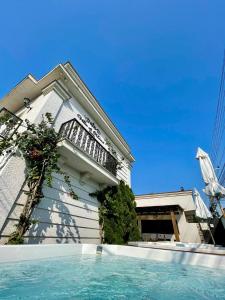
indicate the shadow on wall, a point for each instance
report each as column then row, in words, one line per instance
column 50, row 217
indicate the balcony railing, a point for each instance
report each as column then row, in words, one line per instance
column 75, row 132
column 9, row 123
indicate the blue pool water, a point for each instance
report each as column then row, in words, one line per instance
column 108, row 277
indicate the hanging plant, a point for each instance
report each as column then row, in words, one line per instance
column 38, row 145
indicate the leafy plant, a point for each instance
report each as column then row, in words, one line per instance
column 112, row 151
column 38, row 145
column 117, row 214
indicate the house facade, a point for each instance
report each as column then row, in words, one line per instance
column 89, row 151
column 170, row 216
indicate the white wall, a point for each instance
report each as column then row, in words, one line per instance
column 61, row 219
column 189, row 232
column 12, row 177
column 183, row 199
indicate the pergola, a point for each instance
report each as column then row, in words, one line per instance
column 160, row 213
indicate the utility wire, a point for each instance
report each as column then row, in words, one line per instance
column 218, row 124
column 218, row 138
column 219, row 130
column 221, row 135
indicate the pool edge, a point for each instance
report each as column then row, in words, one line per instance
column 13, row 253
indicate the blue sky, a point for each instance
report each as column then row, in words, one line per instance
column 153, row 65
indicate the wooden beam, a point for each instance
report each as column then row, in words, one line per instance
column 175, row 228
column 154, row 217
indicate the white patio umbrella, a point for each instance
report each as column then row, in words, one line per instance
column 213, row 188
column 201, row 209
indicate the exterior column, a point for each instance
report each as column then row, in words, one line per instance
column 175, row 228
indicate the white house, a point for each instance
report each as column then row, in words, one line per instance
column 84, row 156
column 170, row 216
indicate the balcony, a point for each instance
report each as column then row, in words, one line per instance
column 79, row 147
column 90, row 152
column 9, row 123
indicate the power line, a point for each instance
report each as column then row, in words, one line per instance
column 219, row 130
column 221, row 134
column 219, row 127
column 221, row 177
column 219, row 113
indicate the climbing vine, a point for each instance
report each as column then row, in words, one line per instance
column 117, row 214
column 38, row 145
column 112, row 151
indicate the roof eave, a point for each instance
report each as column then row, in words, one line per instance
column 31, row 88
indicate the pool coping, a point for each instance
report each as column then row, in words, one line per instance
column 220, row 252
column 16, row 253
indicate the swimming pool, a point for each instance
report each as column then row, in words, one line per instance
column 108, row 277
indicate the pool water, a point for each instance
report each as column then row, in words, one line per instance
column 108, row 277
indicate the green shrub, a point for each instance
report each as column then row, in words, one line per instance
column 117, row 214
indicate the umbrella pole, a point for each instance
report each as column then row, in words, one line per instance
column 221, row 208
column 213, row 214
